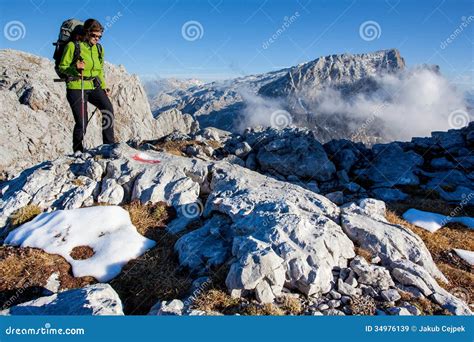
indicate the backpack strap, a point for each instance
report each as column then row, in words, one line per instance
column 101, row 56
column 77, row 52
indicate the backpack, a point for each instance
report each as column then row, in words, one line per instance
column 70, row 31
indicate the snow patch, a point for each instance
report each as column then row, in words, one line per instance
column 432, row 221
column 106, row 229
column 468, row 256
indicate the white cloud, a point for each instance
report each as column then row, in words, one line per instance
column 410, row 103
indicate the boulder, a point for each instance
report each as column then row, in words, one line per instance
column 370, row 230
column 392, row 166
column 408, row 273
column 371, row 274
column 302, row 156
column 97, row 299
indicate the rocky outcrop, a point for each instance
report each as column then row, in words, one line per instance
column 97, row 299
column 365, row 224
column 268, row 255
column 37, row 120
column 385, row 171
column 250, row 215
column 275, row 233
column 346, row 72
column 284, row 95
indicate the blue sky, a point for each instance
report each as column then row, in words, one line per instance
column 233, row 35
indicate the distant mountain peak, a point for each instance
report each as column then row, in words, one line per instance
column 339, row 70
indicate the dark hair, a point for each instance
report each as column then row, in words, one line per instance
column 92, row 25
column 77, row 32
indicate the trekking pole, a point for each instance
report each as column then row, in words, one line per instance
column 93, row 113
column 84, row 123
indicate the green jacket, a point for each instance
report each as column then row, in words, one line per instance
column 93, row 65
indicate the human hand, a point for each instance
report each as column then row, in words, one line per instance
column 80, row 65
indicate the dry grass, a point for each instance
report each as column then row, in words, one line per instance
column 440, row 244
column 291, row 305
column 178, row 148
column 150, row 219
column 25, row 271
column 216, row 300
column 77, row 182
column 406, row 296
column 430, row 204
column 426, row 306
column 254, row 309
column 363, row 305
column 25, row 214
column 366, row 254
column 81, row 253
column 155, row 275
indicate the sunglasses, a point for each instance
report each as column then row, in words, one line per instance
column 93, row 35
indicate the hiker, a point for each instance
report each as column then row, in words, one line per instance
column 85, row 82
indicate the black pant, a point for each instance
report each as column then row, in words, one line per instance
column 98, row 98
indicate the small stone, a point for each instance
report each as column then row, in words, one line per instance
column 414, row 291
column 390, row 295
column 376, row 260
column 334, row 303
column 293, row 179
column 368, row 290
column 352, row 187
column 351, row 279
column 323, row 307
column 398, row 311
column 347, row 289
column 243, row 149
column 346, row 300
column 170, row 308
column 334, row 294
column 334, row 312
column 347, row 310
column 336, row 197
column 343, row 177
column 344, row 273
column 264, row 293
column 251, row 162
column 313, row 186
column 412, row 309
